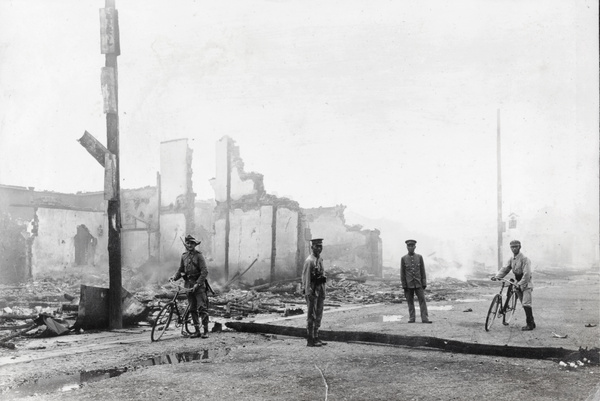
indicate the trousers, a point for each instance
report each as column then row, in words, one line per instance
column 314, row 312
column 198, row 301
column 525, row 296
column 409, row 293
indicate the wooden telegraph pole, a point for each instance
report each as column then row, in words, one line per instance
column 500, row 225
column 109, row 29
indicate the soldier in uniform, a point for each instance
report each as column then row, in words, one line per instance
column 521, row 268
column 192, row 269
column 313, row 287
column 414, row 281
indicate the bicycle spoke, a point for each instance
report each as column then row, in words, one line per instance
column 163, row 320
column 493, row 311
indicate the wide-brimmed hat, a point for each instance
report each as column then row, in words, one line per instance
column 190, row 238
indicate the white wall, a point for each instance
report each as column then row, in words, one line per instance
column 53, row 249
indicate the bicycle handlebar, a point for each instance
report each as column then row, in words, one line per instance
column 510, row 282
column 180, row 289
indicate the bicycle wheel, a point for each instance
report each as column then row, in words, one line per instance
column 188, row 324
column 509, row 308
column 163, row 320
column 492, row 312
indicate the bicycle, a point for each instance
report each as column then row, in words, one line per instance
column 164, row 320
column 497, row 308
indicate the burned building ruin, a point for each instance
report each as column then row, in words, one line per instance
column 48, row 233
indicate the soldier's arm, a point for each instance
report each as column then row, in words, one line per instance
column 203, row 269
column 504, row 271
column 526, row 273
column 306, row 277
column 423, row 276
column 403, row 273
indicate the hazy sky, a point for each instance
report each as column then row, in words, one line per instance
column 387, row 107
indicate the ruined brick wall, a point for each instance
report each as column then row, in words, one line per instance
column 69, row 242
column 204, row 218
column 347, row 247
column 250, row 223
column 252, row 230
column 15, row 249
column 177, row 197
column 139, row 234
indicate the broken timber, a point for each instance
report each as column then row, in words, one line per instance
column 410, row 341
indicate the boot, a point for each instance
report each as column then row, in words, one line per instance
column 205, row 333
column 532, row 321
column 318, row 340
column 196, row 333
column 310, row 342
column 528, row 319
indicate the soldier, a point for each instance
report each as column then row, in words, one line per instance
column 313, row 287
column 414, row 281
column 521, row 268
column 193, row 270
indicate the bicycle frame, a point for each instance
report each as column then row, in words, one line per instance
column 176, row 309
column 501, row 307
column 510, row 288
column 165, row 316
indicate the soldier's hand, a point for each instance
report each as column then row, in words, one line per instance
column 171, row 279
column 195, row 287
column 494, row 278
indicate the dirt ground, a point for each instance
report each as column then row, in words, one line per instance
column 242, row 366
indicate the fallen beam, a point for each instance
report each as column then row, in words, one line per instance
column 413, row 341
column 18, row 333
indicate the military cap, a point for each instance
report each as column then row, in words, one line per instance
column 410, row 241
column 515, row 242
column 190, row 238
column 316, row 241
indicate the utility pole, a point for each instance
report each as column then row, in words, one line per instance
column 109, row 24
column 228, row 204
column 108, row 157
column 500, row 225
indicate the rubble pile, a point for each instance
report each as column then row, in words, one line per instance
column 25, row 308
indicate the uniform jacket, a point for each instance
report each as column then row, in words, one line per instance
column 412, row 271
column 193, row 265
column 521, row 267
column 312, row 267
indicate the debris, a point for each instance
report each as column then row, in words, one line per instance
column 468, row 310
column 93, row 308
column 590, row 325
column 238, row 274
column 267, row 286
column 561, row 363
column 217, row 328
column 558, row 335
column 17, row 317
column 18, row 333
column 293, row 311
column 53, row 328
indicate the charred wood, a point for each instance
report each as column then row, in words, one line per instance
column 411, row 341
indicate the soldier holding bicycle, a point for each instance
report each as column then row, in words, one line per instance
column 521, row 268
column 192, row 269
